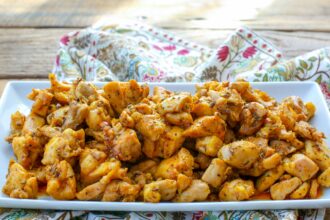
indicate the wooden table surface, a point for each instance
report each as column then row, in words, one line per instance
column 30, row 30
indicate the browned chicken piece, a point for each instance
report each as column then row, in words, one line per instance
column 203, row 106
column 197, row 191
column 229, row 103
column 121, row 94
column 151, row 127
column 281, row 190
column 27, row 149
column 86, row 92
column 40, row 174
column 307, row 131
column 67, row 146
column 122, row 191
column 123, row 142
column 167, row 145
column 181, row 162
column 94, row 165
column 140, row 178
column 240, row 154
column 229, row 136
column 181, row 102
column 183, row 182
column 16, row 125
column 301, row 191
column 282, row 147
column 207, row 126
column 160, row 190
column 292, row 110
column 32, row 123
column 98, row 146
column 97, row 113
column 237, row 190
column 63, row 92
column 209, row 145
column 20, row 183
column 96, row 190
column 61, row 181
column 49, row 131
column 216, row 173
column 311, row 109
column 260, row 166
column 203, row 161
column 181, row 119
column 269, row 178
column 314, row 189
column 300, row 166
column 319, row 153
column 252, row 118
column 42, row 99
column 146, row 166
column 160, row 94
column 324, row 178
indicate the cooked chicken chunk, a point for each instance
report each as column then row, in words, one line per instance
column 16, row 125
column 314, row 189
column 237, row 190
column 319, row 153
column 282, row 147
column 203, row 107
column 121, row 94
column 20, row 183
column 97, row 113
column 147, row 166
column 151, row 127
column 32, row 123
column 207, row 126
column 240, row 154
column 301, row 191
column 252, row 118
column 269, row 178
column 197, row 191
column 305, row 130
column 216, row 173
column 182, row 119
column 86, row 92
column 181, row 162
column 63, row 92
column 61, row 181
column 160, row 94
column 209, row 145
column 183, row 182
column 281, row 190
column 175, row 104
column 300, row 166
column 160, row 190
column 324, row 178
column 42, row 99
column 202, row 161
column 121, row 191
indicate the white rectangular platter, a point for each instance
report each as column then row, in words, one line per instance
column 14, row 98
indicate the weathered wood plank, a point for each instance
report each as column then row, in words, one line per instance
column 184, row 14
column 30, row 53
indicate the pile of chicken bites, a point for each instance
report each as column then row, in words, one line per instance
column 227, row 142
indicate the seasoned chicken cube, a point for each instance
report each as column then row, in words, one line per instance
column 16, row 125
column 93, row 165
column 202, row 161
column 97, row 113
column 86, row 92
column 252, row 118
column 301, row 191
column 216, row 173
column 67, row 146
column 237, row 190
column 183, row 182
column 197, row 191
column 207, row 126
column 49, row 131
column 32, row 123
column 260, row 166
column 20, row 183
column 282, row 147
column 175, row 104
column 182, row 119
column 269, row 178
column 160, row 190
column 61, row 181
column 121, row 191
column 203, row 106
column 229, row 136
column 281, row 190
column 240, row 154
column 121, row 94
column 42, row 99
column 319, row 153
column 314, row 189
column 27, row 149
column 324, row 178
column 307, row 131
column 151, row 127
column 146, row 166
column 160, row 93
column 181, row 162
column 300, row 166
column 124, row 144
column 311, row 109
column 209, row 145
column 63, row 92
column 166, row 145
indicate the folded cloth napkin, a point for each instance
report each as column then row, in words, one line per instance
column 126, row 51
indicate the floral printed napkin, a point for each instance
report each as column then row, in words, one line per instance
column 126, row 51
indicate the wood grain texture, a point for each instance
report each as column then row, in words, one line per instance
column 30, row 53
column 184, row 14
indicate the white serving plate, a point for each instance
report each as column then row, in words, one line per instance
column 14, row 98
